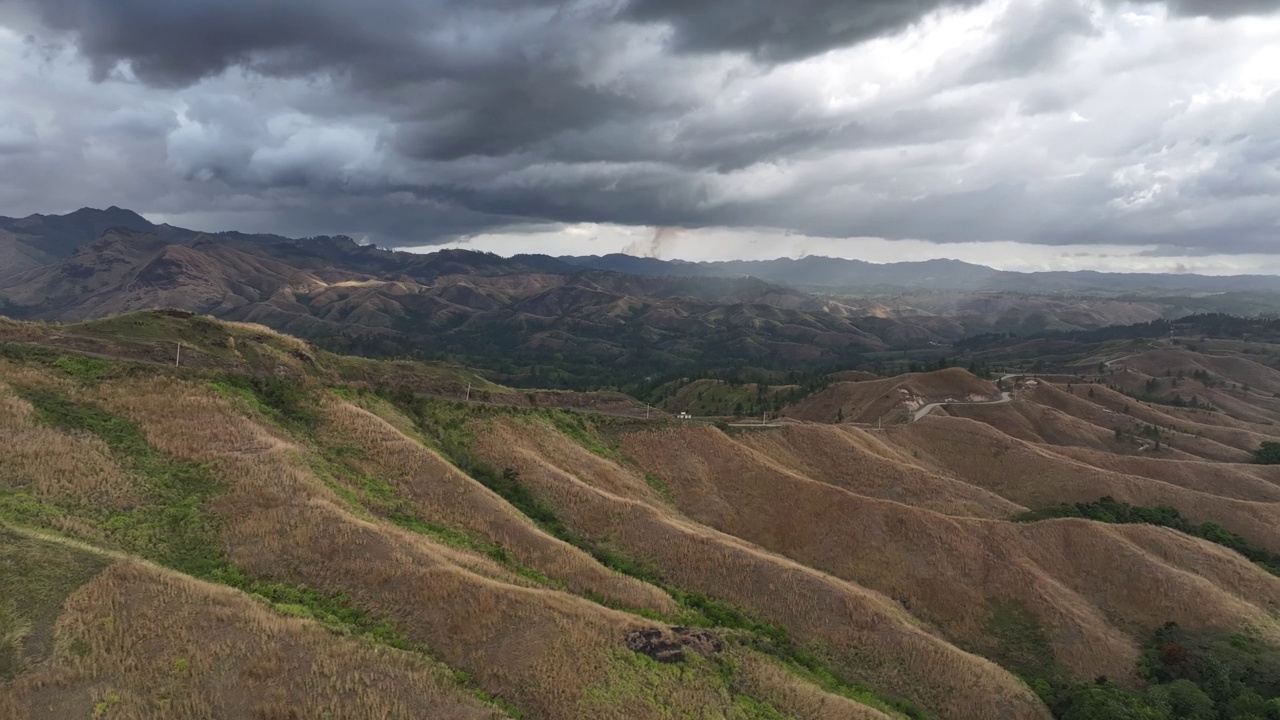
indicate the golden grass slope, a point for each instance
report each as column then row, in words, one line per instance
column 442, row 494
column 1198, row 432
column 863, row 463
column 1252, row 483
column 69, row 468
column 889, row 554
column 1036, row 477
column 538, row 646
column 950, row 571
column 140, row 642
column 871, row 637
column 552, row 653
column 1156, row 363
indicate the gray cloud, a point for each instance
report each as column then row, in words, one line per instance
column 17, row 133
column 1055, row 121
column 775, row 31
column 1223, row 8
column 1033, row 38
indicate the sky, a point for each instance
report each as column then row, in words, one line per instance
column 1021, row 134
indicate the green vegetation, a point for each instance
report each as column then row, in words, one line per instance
column 732, row 396
column 168, row 328
column 333, row 610
column 445, row 427
column 1203, row 675
column 1267, row 454
column 171, row 528
column 1019, row 643
column 761, row 636
column 577, row 427
column 1192, row 676
column 285, row 399
column 635, row 680
column 36, row 577
column 85, row 369
column 1110, row 510
column 292, row 405
column 660, row 487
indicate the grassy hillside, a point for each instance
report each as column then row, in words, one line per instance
column 266, row 530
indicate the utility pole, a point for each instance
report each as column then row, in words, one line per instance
column 177, row 360
column 468, row 392
column 646, row 411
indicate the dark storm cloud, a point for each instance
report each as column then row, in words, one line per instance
column 175, row 43
column 779, row 31
column 420, row 120
column 1223, row 8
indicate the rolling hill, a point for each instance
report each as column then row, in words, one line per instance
column 264, row 528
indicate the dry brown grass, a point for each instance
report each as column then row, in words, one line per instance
column 249, row 328
column 862, row 463
column 1199, row 433
column 869, row 400
column 882, row 548
column 141, row 643
column 867, row 632
column 764, row 680
column 949, row 571
column 1254, row 483
column 1036, row 477
column 60, row 467
column 536, row 647
column 440, row 493
column 1156, row 363
column 1035, row 423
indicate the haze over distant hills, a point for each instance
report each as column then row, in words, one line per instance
column 859, row 275
column 535, row 319
column 43, row 238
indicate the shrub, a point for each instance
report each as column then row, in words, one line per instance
column 1267, row 454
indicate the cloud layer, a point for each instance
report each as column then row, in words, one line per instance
column 1050, row 122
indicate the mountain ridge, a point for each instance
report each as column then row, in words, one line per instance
column 936, row 274
column 61, row 234
column 537, row 320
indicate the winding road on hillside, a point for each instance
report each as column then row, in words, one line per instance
column 1005, row 397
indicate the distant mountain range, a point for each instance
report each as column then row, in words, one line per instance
column 858, row 275
column 36, row 240
column 570, row 322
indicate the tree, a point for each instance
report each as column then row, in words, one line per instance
column 1098, row 701
column 1189, row 702
column 1267, row 454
